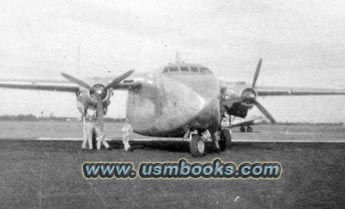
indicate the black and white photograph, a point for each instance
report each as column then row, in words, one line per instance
column 172, row 104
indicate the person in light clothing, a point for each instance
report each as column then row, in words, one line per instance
column 102, row 139
column 90, row 120
column 92, row 126
column 126, row 130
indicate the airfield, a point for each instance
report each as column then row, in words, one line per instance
column 41, row 168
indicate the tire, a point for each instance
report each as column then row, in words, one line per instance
column 225, row 139
column 197, row 146
column 242, row 129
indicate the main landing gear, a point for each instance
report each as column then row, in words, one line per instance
column 249, row 129
column 225, row 139
column 197, row 141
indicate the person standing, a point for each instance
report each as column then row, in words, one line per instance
column 92, row 126
column 126, row 130
column 101, row 138
column 90, row 120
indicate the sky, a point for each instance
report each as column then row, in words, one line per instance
column 301, row 42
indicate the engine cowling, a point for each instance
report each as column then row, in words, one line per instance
column 87, row 98
column 239, row 106
column 96, row 96
column 238, row 110
column 249, row 95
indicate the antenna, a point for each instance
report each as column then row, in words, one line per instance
column 177, row 57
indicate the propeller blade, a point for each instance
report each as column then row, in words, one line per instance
column 264, row 111
column 75, row 80
column 100, row 113
column 117, row 80
column 257, row 71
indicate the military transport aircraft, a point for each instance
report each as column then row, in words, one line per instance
column 178, row 100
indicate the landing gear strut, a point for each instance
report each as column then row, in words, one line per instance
column 225, row 139
column 249, row 129
column 198, row 140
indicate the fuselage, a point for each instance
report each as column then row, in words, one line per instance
column 169, row 101
column 174, row 99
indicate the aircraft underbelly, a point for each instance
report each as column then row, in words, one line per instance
column 169, row 108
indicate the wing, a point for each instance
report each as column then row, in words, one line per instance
column 288, row 91
column 246, row 122
column 242, row 123
column 62, row 86
column 57, row 85
column 234, row 89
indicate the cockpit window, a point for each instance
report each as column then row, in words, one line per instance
column 184, row 69
column 194, row 69
column 204, row 70
column 173, row 69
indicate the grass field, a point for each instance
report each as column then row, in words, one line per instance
column 73, row 129
column 47, row 174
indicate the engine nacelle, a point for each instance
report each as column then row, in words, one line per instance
column 239, row 109
column 248, row 95
column 85, row 98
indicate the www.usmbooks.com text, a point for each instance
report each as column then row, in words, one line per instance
column 182, row 169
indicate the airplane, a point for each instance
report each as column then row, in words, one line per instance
column 177, row 100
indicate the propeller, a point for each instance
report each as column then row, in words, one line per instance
column 249, row 94
column 117, row 80
column 257, row 71
column 75, row 80
column 264, row 111
column 98, row 92
column 112, row 84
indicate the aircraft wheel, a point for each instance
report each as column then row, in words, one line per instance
column 242, row 129
column 225, row 139
column 249, row 129
column 197, row 146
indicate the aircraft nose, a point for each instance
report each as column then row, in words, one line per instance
column 180, row 106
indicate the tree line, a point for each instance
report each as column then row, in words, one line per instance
column 31, row 117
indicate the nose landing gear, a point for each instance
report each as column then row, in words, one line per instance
column 197, row 142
